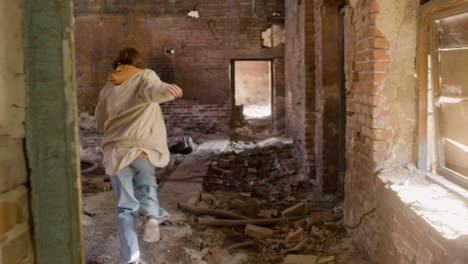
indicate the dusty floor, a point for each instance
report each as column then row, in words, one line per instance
column 254, row 176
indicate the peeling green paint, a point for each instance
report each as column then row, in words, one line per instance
column 51, row 132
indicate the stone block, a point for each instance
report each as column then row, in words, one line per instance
column 295, row 236
column 300, row 259
column 8, row 216
column 258, row 231
column 265, row 213
column 18, row 250
column 12, row 164
column 13, row 209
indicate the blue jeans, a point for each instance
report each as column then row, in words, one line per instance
column 128, row 206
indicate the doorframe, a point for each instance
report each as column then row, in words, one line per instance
column 342, row 121
column 52, row 131
column 272, row 88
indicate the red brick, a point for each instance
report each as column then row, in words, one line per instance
column 364, row 66
column 380, row 134
column 380, row 66
column 378, row 77
column 375, row 6
column 380, row 55
column 363, row 56
column 379, row 156
column 379, row 146
column 379, row 112
column 376, row 89
column 377, row 100
column 376, row 32
column 381, row 43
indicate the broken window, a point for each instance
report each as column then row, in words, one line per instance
column 447, row 94
column 253, row 87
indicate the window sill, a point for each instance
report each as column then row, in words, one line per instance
column 438, row 201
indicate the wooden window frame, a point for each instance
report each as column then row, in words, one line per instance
column 428, row 14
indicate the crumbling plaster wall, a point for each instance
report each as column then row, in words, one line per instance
column 397, row 21
column 203, row 47
column 15, row 238
column 382, row 101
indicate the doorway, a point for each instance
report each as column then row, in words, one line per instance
column 252, row 90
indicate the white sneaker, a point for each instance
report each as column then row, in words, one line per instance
column 151, row 230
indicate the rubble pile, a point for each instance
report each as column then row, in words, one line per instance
column 258, row 198
column 299, row 234
column 270, row 173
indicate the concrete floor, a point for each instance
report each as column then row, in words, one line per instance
column 100, row 234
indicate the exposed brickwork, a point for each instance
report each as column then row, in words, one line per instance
column 295, row 72
column 300, row 78
column 395, row 233
column 194, row 116
column 363, row 86
column 204, row 47
column 367, row 112
column 310, row 92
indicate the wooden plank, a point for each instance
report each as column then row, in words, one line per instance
column 51, row 132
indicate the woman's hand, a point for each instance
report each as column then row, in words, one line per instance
column 174, row 90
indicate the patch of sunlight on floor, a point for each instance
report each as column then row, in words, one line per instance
column 257, row 111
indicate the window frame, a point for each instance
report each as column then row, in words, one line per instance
column 427, row 46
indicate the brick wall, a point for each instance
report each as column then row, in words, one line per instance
column 204, row 47
column 15, row 232
column 280, row 94
column 329, row 106
column 367, row 130
column 294, row 69
column 180, row 115
column 300, row 78
column 380, row 45
column 366, row 139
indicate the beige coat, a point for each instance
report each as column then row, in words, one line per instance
column 130, row 117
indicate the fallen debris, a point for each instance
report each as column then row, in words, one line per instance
column 268, row 221
column 182, row 145
column 294, row 236
column 327, row 260
column 258, row 231
column 90, row 214
column 241, row 245
column 96, row 184
column 213, row 212
column 197, row 256
column 300, row 246
column 88, row 166
column 296, row 210
column 300, row 259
